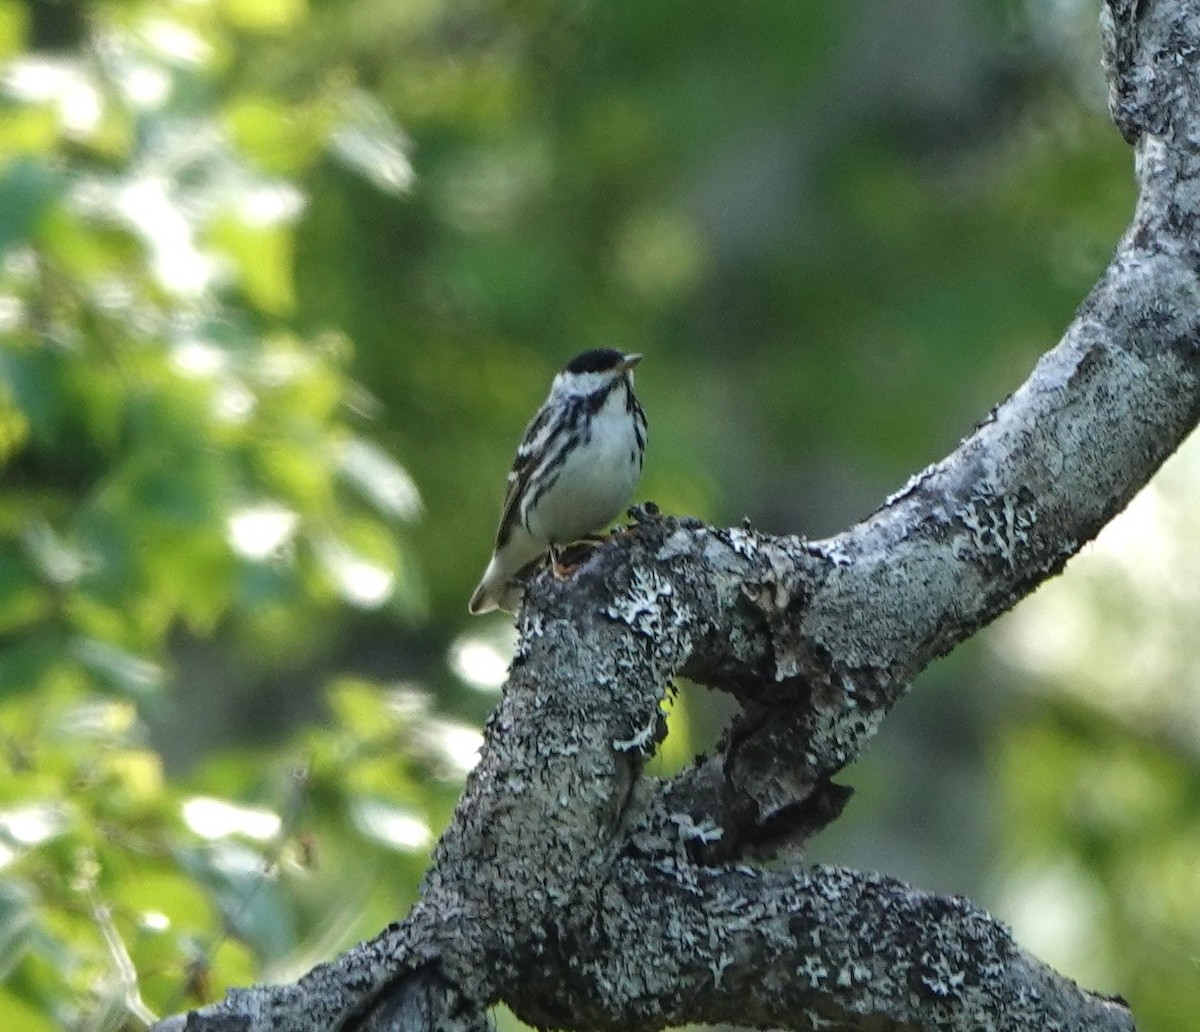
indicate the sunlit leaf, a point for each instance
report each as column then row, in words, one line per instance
column 278, row 136
column 232, row 964
column 219, row 818
column 133, row 782
column 262, row 15
column 29, row 130
column 361, row 708
column 380, row 479
column 361, row 564
column 397, row 827
column 167, row 899
column 14, row 22
column 368, row 141
column 116, row 669
column 263, row 256
column 16, row 1013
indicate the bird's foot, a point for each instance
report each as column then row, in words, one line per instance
column 566, row 559
column 558, row 569
column 647, row 512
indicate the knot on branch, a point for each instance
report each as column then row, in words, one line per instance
column 1149, row 51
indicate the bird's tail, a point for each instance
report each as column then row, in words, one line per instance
column 500, row 588
column 493, row 589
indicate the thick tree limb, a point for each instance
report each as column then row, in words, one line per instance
column 590, row 897
column 804, row 950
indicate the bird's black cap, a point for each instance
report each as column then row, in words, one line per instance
column 598, row 360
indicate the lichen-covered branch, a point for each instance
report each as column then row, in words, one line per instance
column 824, row 948
column 589, row 896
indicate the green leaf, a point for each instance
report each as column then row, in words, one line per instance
column 233, row 965
column 23, row 600
column 380, row 479
column 175, row 896
column 369, row 142
column 28, row 130
column 34, row 377
column 264, row 257
column 360, row 563
column 263, row 15
column 276, row 135
column 17, row 920
column 16, row 1013
column 28, row 190
column 35, row 663
column 117, row 670
column 14, row 23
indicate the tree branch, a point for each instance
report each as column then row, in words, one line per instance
column 589, row 896
column 824, row 948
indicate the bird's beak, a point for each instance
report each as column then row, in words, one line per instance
column 628, row 362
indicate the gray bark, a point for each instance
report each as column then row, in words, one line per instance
column 588, row 896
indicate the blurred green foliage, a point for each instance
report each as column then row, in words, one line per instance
column 1099, row 768
column 181, row 459
column 280, row 283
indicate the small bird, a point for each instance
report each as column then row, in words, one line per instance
column 576, row 466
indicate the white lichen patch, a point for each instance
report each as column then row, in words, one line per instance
column 717, row 966
column 996, row 524
column 691, row 831
column 646, row 606
column 855, row 974
column 813, row 971
column 942, row 979
column 684, row 876
column 744, row 541
column 530, row 628
column 643, row 739
column 679, row 543
column 910, row 486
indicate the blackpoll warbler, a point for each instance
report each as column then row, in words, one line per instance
column 575, row 468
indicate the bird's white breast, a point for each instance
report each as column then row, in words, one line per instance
column 596, row 479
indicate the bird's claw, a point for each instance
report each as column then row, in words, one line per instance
column 566, row 559
column 647, row 512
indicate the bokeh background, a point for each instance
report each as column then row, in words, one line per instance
column 281, row 282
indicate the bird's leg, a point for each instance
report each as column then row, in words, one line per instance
column 558, row 568
column 566, row 559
